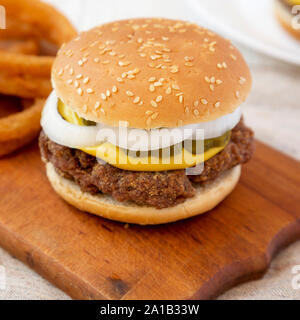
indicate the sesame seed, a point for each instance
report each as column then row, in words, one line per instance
column 114, row 89
column 219, row 65
column 131, row 76
column 153, row 103
column 207, row 79
column 143, row 55
column 151, row 79
column 79, row 91
column 180, row 98
column 155, row 57
column 159, row 98
column 97, row 105
column 196, row 112
column 105, row 62
column 212, row 80
column 70, row 81
column 217, row 104
column 187, row 59
column 157, row 84
column 151, row 88
column 237, row 94
column 103, row 96
column 89, row 90
column 79, row 76
column 108, row 94
column 211, row 87
column 233, row 57
column 129, row 93
column 120, row 79
column 124, row 75
column 148, row 112
column 136, row 70
column 242, row 80
column 102, row 111
column 148, row 122
column 86, row 80
column 97, row 60
column 196, row 103
column 61, row 71
column 124, row 63
column 76, row 84
column 225, row 65
column 136, row 100
column 204, row 101
column 71, row 71
column 168, row 90
column 80, row 63
column 219, row 81
column 154, row 115
column 174, row 69
column 186, row 110
column 175, row 86
column 165, row 38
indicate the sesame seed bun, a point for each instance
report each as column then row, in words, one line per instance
column 151, row 73
column 284, row 15
column 206, row 198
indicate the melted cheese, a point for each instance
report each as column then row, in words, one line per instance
column 126, row 160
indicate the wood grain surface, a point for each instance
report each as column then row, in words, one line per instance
column 93, row 258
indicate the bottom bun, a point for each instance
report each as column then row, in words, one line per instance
column 206, row 198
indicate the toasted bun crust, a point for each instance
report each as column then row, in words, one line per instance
column 285, row 17
column 151, row 73
column 105, row 206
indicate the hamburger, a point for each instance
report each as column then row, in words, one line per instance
column 144, row 123
column 288, row 14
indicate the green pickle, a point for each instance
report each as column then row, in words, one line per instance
column 191, row 146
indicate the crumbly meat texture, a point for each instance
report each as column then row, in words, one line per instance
column 158, row 189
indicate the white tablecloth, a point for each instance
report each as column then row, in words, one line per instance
column 272, row 110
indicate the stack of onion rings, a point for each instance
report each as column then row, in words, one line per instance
column 24, row 71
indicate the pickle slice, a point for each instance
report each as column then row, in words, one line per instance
column 179, row 156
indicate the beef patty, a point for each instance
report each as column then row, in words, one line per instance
column 158, row 189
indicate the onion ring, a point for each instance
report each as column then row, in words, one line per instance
column 24, row 75
column 27, row 46
column 20, row 128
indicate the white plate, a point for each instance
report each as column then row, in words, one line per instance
column 251, row 23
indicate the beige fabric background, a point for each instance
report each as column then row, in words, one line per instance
column 273, row 111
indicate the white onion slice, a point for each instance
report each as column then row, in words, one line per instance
column 70, row 135
column 216, row 128
column 63, row 132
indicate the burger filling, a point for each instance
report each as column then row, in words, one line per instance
column 160, row 189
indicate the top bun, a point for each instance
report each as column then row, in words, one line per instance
column 151, row 73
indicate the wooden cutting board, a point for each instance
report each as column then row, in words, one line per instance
column 92, row 258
